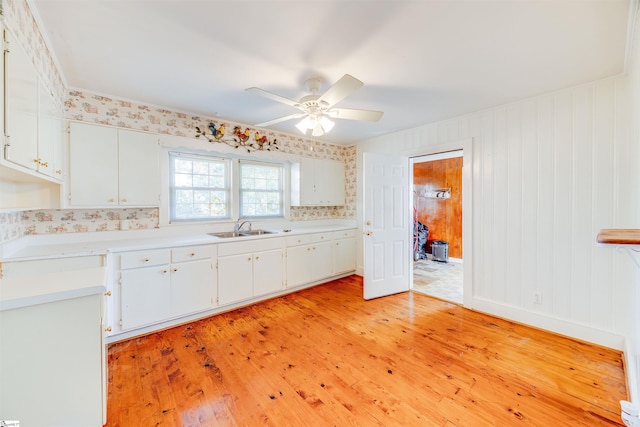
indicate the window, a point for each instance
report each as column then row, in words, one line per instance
column 199, row 187
column 261, row 190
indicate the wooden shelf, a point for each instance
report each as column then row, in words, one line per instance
column 619, row 236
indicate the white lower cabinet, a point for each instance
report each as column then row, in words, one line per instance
column 249, row 269
column 159, row 285
column 309, row 258
column 235, row 275
column 344, row 251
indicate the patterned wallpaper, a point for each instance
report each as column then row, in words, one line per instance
column 90, row 107
column 19, row 19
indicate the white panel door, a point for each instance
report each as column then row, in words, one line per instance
column 386, row 225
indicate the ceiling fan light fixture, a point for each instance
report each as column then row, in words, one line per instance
column 304, row 124
column 326, row 124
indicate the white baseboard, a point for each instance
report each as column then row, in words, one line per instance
column 550, row 323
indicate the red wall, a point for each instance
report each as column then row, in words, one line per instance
column 442, row 216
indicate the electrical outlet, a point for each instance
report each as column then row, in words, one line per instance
column 537, row 298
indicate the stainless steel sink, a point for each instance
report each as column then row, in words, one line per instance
column 228, row 234
column 256, row 232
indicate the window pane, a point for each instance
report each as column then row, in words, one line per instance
column 199, row 188
column 261, row 190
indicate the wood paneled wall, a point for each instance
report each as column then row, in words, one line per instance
column 547, row 174
column 442, row 216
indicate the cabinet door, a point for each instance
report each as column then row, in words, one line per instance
column 344, row 255
column 93, row 165
column 192, row 287
column 322, row 260
column 267, row 272
column 46, row 131
column 331, row 181
column 235, row 278
column 298, row 265
column 308, row 189
column 21, row 102
column 145, row 296
column 139, row 169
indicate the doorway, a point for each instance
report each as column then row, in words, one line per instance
column 437, row 225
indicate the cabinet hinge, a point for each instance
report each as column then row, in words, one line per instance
column 7, row 144
column 120, row 322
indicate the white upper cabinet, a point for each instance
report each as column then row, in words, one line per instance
column 33, row 120
column 317, row 182
column 112, row 167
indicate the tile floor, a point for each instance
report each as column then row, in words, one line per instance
column 441, row 280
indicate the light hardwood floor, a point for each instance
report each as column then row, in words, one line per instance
column 326, row 357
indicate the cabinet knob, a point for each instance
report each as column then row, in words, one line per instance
column 124, row 200
column 111, row 200
column 175, row 270
column 59, row 171
column 165, row 271
column 107, row 329
column 107, row 294
column 146, row 260
column 257, row 257
column 192, row 254
column 45, row 164
column 36, row 161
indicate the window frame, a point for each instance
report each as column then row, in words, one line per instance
column 281, row 189
column 228, row 187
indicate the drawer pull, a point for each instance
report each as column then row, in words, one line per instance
column 107, row 294
column 107, row 329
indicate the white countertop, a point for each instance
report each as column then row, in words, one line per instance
column 101, row 243
column 45, row 288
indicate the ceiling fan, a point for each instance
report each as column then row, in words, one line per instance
column 316, row 109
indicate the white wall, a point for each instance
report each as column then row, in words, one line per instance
column 548, row 174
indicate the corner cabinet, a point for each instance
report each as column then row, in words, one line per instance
column 317, row 182
column 112, row 167
column 33, row 120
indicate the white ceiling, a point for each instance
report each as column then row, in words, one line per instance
column 420, row 61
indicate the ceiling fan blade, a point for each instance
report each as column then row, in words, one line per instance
column 273, row 96
column 350, row 114
column 281, row 119
column 340, row 90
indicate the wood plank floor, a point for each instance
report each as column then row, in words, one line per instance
column 326, row 357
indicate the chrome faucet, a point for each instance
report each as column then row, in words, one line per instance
column 239, row 225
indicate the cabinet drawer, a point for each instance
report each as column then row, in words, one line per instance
column 320, row 237
column 191, row 253
column 301, row 239
column 343, row 234
column 144, row 258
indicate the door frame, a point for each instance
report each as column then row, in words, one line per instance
column 466, row 146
